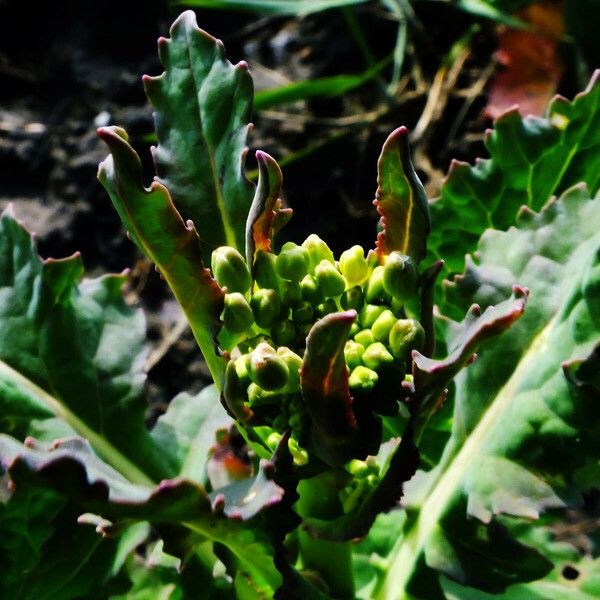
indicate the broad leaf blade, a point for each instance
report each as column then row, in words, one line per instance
column 532, row 159
column 203, row 105
column 72, row 353
column 517, row 417
column 401, row 201
column 158, row 229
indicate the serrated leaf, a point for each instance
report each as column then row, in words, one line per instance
column 158, row 229
column 203, row 105
column 517, row 417
column 72, row 353
column 324, row 381
column 266, row 214
column 401, row 201
column 531, row 160
column 71, row 467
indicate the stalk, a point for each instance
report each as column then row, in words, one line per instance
column 332, row 560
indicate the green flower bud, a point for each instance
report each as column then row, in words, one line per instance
column 294, row 364
column 352, row 299
column 310, row 290
column 237, row 314
column 273, row 440
column 318, row 250
column 290, row 293
column 376, row 356
column 353, row 352
column 358, row 468
column 268, row 370
column 299, row 454
column 283, row 332
column 362, row 379
column 382, row 326
column 293, row 262
column 375, row 292
column 266, row 307
column 242, row 366
column 264, row 270
column 369, row 313
column 406, row 335
column 354, row 329
column 230, row 270
column 400, row 276
column 353, row 266
column 302, row 312
column 364, row 338
column 326, row 308
column 330, row 280
column 257, row 396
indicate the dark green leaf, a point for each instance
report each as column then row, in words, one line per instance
column 203, row 105
column 532, row 159
column 276, row 7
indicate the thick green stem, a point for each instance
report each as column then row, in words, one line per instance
column 332, row 560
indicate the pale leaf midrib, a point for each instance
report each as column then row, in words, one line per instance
column 106, row 450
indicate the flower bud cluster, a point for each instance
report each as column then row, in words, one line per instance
column 270, row 318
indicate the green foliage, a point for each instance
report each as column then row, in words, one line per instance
column 326, row 368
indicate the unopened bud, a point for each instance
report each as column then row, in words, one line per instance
column 353, row 266
column 353, row 352
column 400, row 276
column 264, row 270
column 294, row 364
column 369, row 313
column 352, row 299
column 302, row 312
column 299, row 454
column 326, row 308
column 293, row 262
column 230, row 270
column 283, row 332
column 318, row 250
column 266, row 307
column 290, row 293
column 257, row 396
column 382, row 326
column 365, row 337
column 406, row 335
column 376, row 356
column 237, row 314
column 330, row 280
column 362, row 379
column 310, row 290
column 375, row 292
column 268, row 370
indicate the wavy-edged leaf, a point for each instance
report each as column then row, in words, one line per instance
column 324, row 381
column 72, row 356
column 71, row 468
column 517, row 418
column 531, row 160
column 158, row 229
column 203, row 105
column 401, row 201
column 266, row 214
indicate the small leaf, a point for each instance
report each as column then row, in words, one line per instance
column 401, row 201
column 158, row 229
column 324, row 380
column 266, row 214
column 203, row 105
